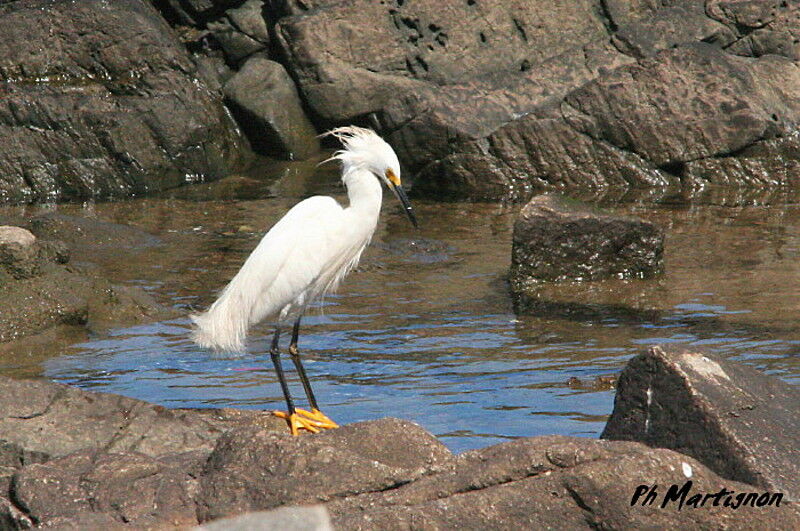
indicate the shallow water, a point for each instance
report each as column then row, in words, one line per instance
column 424, row 328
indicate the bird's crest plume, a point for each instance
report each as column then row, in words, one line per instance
column 359, row 144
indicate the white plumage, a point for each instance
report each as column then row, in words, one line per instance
column 310, row 250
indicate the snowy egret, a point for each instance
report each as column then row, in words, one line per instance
column 305, row 255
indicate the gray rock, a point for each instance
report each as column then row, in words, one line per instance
column 18, row 252
column 308, row 518
column 669, row 27
column 110, row 106
column 385, row 474
column 251, row 469
column 236, row 44
column 689, row 103
column 195, row 12
column 11, row 517
column 128, row 487
column 53, row 295
column 554, row 483
column 501, row 99
column 267, row 106
column 45, row 420
column 249, row 19
column 739, row 422
column 557, row 239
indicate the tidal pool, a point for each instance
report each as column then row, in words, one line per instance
column 424, row 328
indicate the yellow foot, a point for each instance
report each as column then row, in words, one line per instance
column 319, row 417
column 305, row 420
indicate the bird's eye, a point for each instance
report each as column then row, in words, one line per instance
column 394, row 179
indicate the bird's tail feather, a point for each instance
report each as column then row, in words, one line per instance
column 223, row 327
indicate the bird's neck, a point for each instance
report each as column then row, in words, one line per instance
column 364, row 192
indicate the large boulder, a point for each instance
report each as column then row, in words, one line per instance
column 252, row 469
column 100, row 98
column 267, row 106
column 558, row 239
column 740, row 422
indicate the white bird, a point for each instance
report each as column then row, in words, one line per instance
column 304, row 256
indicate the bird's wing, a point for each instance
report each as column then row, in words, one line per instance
column 293, row 255
column 284, row 263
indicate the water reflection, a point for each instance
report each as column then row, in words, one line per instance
column 424, row 328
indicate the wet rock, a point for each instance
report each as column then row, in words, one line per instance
column 557, row 239
column 241, row 31
column 41, row 290
column 40, row 420
column 726, row 104
column 11, row 517
column 194, row 12
column 252, row 469
column 309, row 518
column 111, row 106
column 18, row 252
column 501, row 99
column 89, row 236
column 738, row 421
column 63, row 295
column 267, row 105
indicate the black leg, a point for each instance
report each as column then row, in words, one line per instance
column 299, row 365
column 274, row 353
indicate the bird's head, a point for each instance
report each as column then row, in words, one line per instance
column 363, row 148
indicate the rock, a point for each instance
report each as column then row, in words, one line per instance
column 111, row 106
column 767, row 27
column 491, row 100
column 18, row 252
column 249, row 19
column 557, row 239
column 726, row 104
column 736, row 420
column 64, row 295
column 669, row 27
column 267, row 106
column 308, row 518
column 128, row 487
column 41, row 292
column 251, row 469
column 11, row 517
column 237, row 45
column 385, row 474
column 194, row 12
column 554, row 483
column 41, row 420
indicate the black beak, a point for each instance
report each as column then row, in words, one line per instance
column 401, row 195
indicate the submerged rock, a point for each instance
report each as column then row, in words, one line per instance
column 267, row 106
column 40, row 290
column 558, row 239
column 738, row 421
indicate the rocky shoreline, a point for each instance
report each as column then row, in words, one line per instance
column 74, row 459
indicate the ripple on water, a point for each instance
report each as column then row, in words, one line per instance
column 424, row 329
